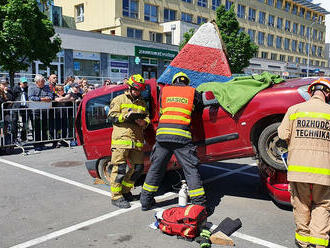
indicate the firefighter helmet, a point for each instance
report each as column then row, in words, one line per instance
column 181, row 77
column 320, row 84
column 137, row 82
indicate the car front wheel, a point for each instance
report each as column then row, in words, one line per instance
column 269, row 150
column 104, row 169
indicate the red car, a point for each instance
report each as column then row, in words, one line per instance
column 251, row 132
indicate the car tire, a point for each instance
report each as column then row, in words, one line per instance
column 104, row 169
column 269, row 151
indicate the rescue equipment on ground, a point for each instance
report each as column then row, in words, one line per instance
column 136, row 82
column 186, row 222
column 183, row 194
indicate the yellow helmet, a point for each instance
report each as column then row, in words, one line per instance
column 137, row 82
column 181, row 77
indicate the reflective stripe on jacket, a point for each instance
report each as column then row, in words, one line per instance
column 306, row 127
column 127, row 134
column 177, row 105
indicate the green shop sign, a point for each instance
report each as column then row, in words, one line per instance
column 154, row 53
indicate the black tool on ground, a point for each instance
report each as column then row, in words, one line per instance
column 228, row 226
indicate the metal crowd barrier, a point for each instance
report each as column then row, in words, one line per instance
column 33, row 123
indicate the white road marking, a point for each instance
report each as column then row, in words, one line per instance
column 62, row 179
column 225, row 169
column 134, row 206
column 78, row 226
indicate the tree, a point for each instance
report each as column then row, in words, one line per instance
column 240, row 49
column 25, row 35
column 186, row 38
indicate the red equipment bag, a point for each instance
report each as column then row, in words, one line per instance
column 183, row 221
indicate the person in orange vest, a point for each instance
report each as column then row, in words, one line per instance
column 173, row 135
column 306, row 128
column 127, row 140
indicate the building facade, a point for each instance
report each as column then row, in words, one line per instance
column 290, row 33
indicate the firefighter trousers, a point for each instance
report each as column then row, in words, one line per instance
column 121, row 179
column 311, row 210
column 187, row 158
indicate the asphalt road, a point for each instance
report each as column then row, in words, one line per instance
column 49, row 200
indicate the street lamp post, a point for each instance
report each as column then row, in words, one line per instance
column 309, row 48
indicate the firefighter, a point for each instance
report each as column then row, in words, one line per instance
column 306, row 128
column 173, row 136
column 127, row 141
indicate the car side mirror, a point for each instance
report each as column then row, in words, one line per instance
column 209, row 98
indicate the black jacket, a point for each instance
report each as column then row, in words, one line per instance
column 17, row 93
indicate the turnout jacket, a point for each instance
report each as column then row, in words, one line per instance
column 126, row 133
column 306, row 127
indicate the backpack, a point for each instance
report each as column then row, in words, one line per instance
column 183, row 221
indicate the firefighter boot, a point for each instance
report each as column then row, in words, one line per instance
column 149, row 205
column 130, row 197
column 121, row 203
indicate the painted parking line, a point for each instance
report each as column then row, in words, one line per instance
column 225, row 169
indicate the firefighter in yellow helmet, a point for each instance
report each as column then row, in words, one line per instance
column 306, row 128
column 129, row 115
column 173, row 136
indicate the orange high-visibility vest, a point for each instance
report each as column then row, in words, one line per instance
column 177, row 105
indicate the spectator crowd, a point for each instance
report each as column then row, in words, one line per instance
column 45, row 108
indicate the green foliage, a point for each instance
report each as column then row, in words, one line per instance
column 240, row 49
column 186, row 38
column 25, row 35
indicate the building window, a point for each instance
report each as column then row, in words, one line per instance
column 295, row 28
column 261, row 1
column 262, row 17
column 241, row 30
column 290, row 58
column 202, row 3
column 287, row 25
column 287, row 6
column 150, row 13
column 187, row 1
column 294, row 45
column 279, row 4
column 134, row 33
column 302, row 12
column 320, row 19
column 271, row 20
column 241, row 11
column 319, row 51
column 302, row 30
column 294, row 9
column 261, row 38
column 130, row 8
column 311, row 62
column 279, row 22
column 169, row 15
column 201, row 20
column 320, row 36
column 264, row 55
column 322, row 64
column 228, row 4
column 314, row 34
column 215, row 4
column 297, row 60
column 252, row 15
column 252, row 34
column 305, row 61
column 301, row 47
column 308, row 15
column 79, row 11
column 273, row 56
column 282, row 57
column 317, row 63
column 270, row 2
column 307, row 48
column 156, row 37
column 278, row 42
column 270, row 40
column 168, row 38
column 286, row 44
column 313, row 50
column 186, row 17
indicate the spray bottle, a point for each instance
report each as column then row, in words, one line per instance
column 183, row 194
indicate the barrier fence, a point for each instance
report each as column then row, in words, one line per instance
column 35, row 123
